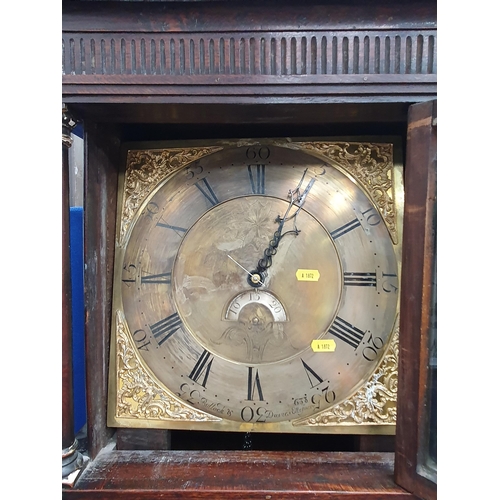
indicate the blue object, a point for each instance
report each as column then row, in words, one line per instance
column 78, row 130
column 78, row 315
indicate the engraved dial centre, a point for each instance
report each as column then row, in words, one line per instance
column 224, row 313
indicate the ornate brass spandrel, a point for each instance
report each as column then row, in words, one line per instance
column 371, row 166
column 373, row 404
column 146, row 168
column 139, row 395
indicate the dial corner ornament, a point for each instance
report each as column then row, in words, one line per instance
column 256, row 286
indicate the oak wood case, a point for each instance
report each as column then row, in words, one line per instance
column 187, row 103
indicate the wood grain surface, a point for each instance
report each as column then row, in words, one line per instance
column 238, row 475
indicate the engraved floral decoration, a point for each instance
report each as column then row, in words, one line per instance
column 255, row 329
column 139, row 395
column 373, row 404
column 145, row 169
column 371, row 165
column 244, row 232
column 247, row 229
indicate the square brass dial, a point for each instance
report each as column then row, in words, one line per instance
column 256, row 286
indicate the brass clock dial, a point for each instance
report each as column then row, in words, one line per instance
column 256, row 282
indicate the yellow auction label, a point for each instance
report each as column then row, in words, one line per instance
column 326, row 345
column 307, row 275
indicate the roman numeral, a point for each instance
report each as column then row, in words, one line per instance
column 311, row 375
column 257, row 178
column 254, row 383
column 345, row 228
column 165, row 328
column 207, row 191
column 175, row 228
column 346, row 332
column 156, row 278
column 360, row 279
column 202, row 367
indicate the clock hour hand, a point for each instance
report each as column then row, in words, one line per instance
column 297, row 199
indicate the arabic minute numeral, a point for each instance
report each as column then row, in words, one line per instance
column 262, row 153
column 327, row 395
column 373, row 218
column 140, row 338
column 193, row 170
column 370, row 352
column 151, row 210
column 388, row 281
